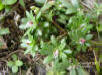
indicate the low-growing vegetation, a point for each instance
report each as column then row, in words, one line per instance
column 57, row 34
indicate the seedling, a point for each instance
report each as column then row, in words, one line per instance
column 15, row 63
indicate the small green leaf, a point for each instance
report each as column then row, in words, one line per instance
column 81, row 71
column 75, row 3
column 24, row 20
column 7, row 8
column 14, row 57
column 48, row 59
column 66, row 3
column 99, row 28
column 40, row 1
column 4, row 31
column 62, row 45
column 30, row 15
column 88, row 44
column 1, row 5
column 19, row 63
column 38, row 15
column 14, row 69
column 39, row 32
column 33, row 53
column 46, row 24
column 27, row 50
column 10, row 63
column 47, row 5
column 97, row 64
column 63, row 55
column 70, row 11
column 22, row 3
column 53, row 40
column 9, row 2
column 73, row 72
column 89, row 37
column 68, row 51
column 100, row 58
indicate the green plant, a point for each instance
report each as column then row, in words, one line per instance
column 57, row 31
column 57, row 52
column 96, row 11
column 15, row 63
column 79, row 31
column 30, row 23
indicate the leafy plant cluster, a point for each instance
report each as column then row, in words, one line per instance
column 58, row 30
column 15, row 63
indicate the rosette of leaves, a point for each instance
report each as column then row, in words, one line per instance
column 57, row 52
column 15, row 63
column 37, row 28
column 79, row 28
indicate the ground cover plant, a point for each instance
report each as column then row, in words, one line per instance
column 56, row 34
